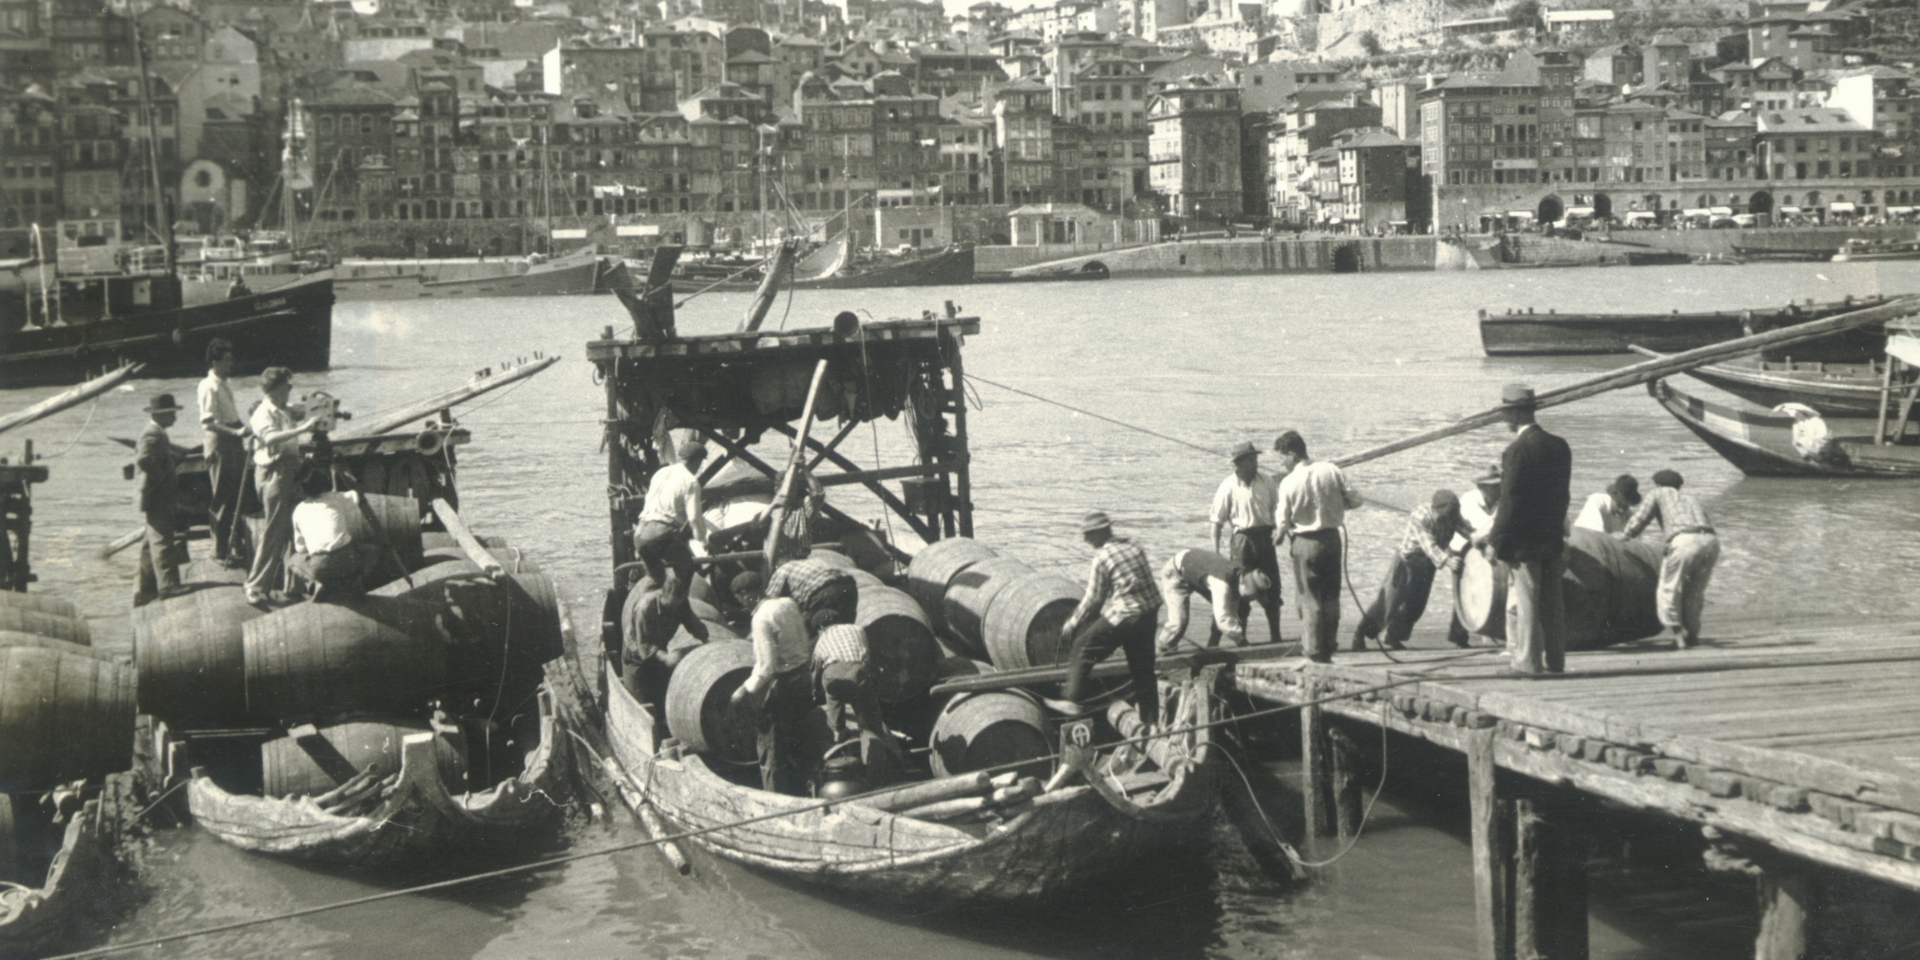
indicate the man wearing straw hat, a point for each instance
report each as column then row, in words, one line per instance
column 1529, row 536
column 1117, row 612
column 159, row 502
column 1242, row 519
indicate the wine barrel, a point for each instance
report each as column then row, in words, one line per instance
column 501, row 633
column 970, row 596
column 433, row 573
column 191, row 658
column 314, row 765
column 13, row 638
column 38, row 601
column 402, row 475
column 1480, row 596
column 832, row 558
column 981, row 730
column 212, row 571
column 698, row 710
column 72, row 629
column 395, row 518
column 936, row 565
column 868, row 552
column 1023, row 623
column 1610, row 590
column 68, row 716
column 901, row 655
column 374, row 655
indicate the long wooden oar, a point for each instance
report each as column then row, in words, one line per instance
column 61, row 401
column 1650, row 370
column 420, row 409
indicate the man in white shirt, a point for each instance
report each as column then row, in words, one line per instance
column 325, row 552
column 779, row 691
column 225, row 448
column 670, row 518
column 1314, row 500
column 1608, row 510
column 1476, row 508
column 1242, row 519
column 277, row 428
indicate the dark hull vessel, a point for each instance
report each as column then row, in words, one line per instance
column 290, row 326
column 1659, row 258
column 1833, row 389
column 1761, row 443
column 1788, row 254
column 1563, row 334
column 946, row 268
column 575, row 274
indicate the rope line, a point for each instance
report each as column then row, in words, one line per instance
column 77, row 434
column 1096, row 416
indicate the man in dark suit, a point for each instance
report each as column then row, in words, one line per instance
column 1529, row 536
column 159, row 501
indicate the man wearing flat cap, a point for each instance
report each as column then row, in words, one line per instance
column 670, row 518
column 1529, row 535
column 159, row 502
column 1242, row 519
column 1692, row 551
column 1424, row 549
column 1119, row 611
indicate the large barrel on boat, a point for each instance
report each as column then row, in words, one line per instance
column 71, row 628
column 1023, row 623
column 935, row 566
column 901, row 652
column 500, row 633
column 373, row 655
column 698, row 710
column 191, row 657
column 313, row 765
column 1611, row 589
column 397, row 519
column 67, row 716
column 1480, row 595
column 980, row 730
column 970, row 596
column 14, row 638
column 433, row 573
column 40, row 602
column 832, row 558
column 409, row 475
column 434, row 540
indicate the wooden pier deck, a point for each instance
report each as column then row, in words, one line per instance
column 1794, row 745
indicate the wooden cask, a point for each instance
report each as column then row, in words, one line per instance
column 435, row 540
column 1480, row 595
column 698, row 707
column 433, row 573
column 970, row 595
column 832, row 558
column 902, row 656
column 1611, row 589
column 13, row 638
column 211, row 571
column 374, row 655
column 63, row 716
column 38, row 601
column 72, row 629
column 500, row 634
column 935, row 566
column 1023, row 623
column 395, row 518
column 191, row 658
column 311, row 766
column 980, row 730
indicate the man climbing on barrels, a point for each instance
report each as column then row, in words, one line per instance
column 1425, row 548
column 159, row 503
column 1215, row 577
column 1118, row 611
column 325, row 553
column 1241, row 516
column 1529, row 535
column 670, row 519
column 1314, row 500
column 1692, row 551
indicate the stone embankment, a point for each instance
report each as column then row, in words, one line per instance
column 1254, row 255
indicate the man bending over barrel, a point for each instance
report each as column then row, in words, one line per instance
column 1220, row 581
column 325, row 552
column 1424, row 548
column 1692, row 550
column 1118, row 611
column 779, row 692
column 843, row 682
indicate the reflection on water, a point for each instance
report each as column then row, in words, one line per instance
column 1351, row 361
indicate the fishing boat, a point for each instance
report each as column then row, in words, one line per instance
column 371, row 729
column 1858, row 250
column 964, row 642
column 580, row 272
column 1531, row 333
column 1657, row 258
column 1832, row 389
column 1762, row 443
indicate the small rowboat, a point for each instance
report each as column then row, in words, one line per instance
column 1761, row 443
column 1833, row 389
column 37, row 918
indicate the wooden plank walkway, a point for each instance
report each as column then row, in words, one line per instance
column 1803, row 738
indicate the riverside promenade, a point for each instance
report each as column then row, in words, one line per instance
column 1796, row 748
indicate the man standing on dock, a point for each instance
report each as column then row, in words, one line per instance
column 1529, row 535
column 1692, row 550
column 1242, row 519
column 277, row 429
column 1424, row 549
column 225, row 447
column 1314, row 500
column 670, row 518
column 159, row 503
column 1117, row 611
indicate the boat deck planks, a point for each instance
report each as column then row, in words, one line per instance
column 1805, row 737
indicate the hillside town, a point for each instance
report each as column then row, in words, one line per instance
column 416, row 127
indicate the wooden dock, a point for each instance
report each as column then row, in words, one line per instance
column 1796, row 748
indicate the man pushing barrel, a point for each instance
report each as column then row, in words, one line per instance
column 1425, row 548
column 1692, row 551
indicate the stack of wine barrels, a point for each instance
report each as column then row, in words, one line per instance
column 190, row 654
column 315, row 764
column 993, row 607
column 66, row 712
column 372, row 655
column 1609, row 591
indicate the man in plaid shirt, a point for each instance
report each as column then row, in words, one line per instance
column 1425, row 547
column 1118, row 611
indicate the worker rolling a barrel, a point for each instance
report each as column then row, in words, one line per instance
column 778, row 694
column 1242, row 520
column 648, row 624
column 1476, row 510
column 1118, row 611
column 1692, row 550
column 277, row 427
column 1529, row 535
column 1314, row 500
column 1425, row 548
column 159, row 503
column 843, row 682
column 325, row 553
column 670, row 519
column 1218, row 579
column 1608, row 510
column 225, row 447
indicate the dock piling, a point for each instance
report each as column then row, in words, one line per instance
column 1348, row 790
column 1491, row 814
column 1550, row 879
column 1316, row 772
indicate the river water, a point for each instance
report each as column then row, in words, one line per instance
column 1350, row 361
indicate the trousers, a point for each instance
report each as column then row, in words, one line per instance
column 279, row 485
column 782, row 740
column 1253, row 549
column 1536, row 608
column 227, row 469
column 662, row 546
column 1316, row 574
column 159, row 555
column 1684, row 574
column 1096, row 640
column 1401, row 601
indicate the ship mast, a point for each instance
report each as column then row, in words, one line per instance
column 160, row 218
column 290, row 154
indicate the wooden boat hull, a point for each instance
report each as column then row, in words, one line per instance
column 564, row 277
column 946, row 268
column 37, row 920
column 1760, row 444
column 1846, row 390
column 1661, row 258
column 291, row 326
column 1069, row 838
column 417, row 817
column 1563, row 334
column 1787, row 253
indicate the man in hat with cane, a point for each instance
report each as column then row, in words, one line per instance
column 159, row 502
column 1529, row 535
column 1242, row 519
column 1117, row 612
